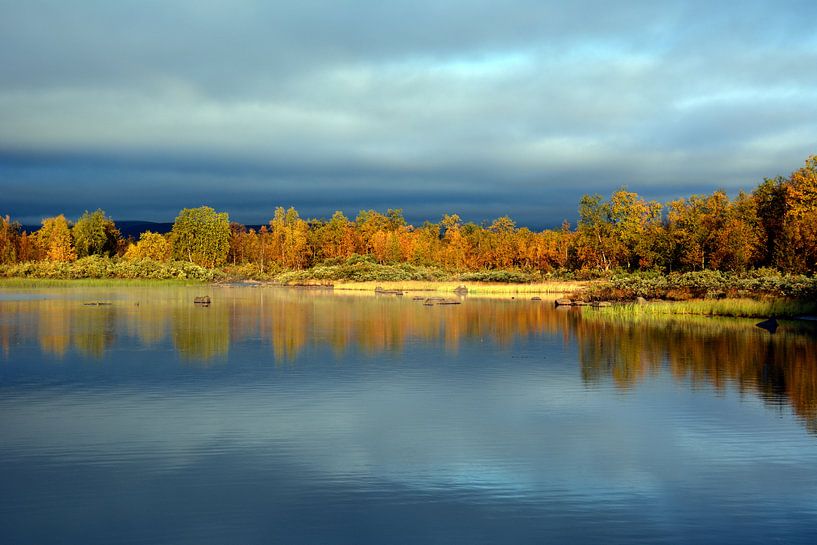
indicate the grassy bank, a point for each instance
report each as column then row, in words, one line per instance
column 737, row 308
column 759, row 283
column 104, row 268
column 363, row 273
column 90, row 282
column 366, row 269
column 473, row 287
column 360, row 273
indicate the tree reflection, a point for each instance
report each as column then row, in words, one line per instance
column 93, row 329
column 708, row 351
column 723, row 353
column 53, row 331
column 200, row 333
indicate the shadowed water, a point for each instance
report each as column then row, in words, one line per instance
column 302, row 416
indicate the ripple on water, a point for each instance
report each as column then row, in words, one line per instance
column 490, row 423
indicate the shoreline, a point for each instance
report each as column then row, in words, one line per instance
column 758, row 305
column 560, row 287
column 452, row 286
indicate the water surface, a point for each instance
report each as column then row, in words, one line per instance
column 302, row 416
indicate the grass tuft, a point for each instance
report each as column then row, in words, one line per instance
column 737, row 308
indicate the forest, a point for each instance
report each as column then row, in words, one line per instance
column 773, row 227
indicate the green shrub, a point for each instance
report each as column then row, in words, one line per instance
column 507, row 277
column 104, row 267
column 704, row 285
column 362, row 269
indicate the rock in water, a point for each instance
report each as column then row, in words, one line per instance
column 202, row 300
column 769, row 325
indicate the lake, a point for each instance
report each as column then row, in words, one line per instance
column 294, row 416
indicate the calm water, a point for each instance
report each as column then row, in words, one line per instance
column 292, row 416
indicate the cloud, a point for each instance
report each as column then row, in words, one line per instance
column 426, row 104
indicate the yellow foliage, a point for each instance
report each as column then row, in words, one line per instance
column 151, row 245
column 55, row 240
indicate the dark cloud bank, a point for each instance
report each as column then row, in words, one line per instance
column 479, row 108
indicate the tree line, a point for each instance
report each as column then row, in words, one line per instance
column 773, row 226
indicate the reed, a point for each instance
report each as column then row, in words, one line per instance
column 737, row 308
column 700, row 325
column 473, row 287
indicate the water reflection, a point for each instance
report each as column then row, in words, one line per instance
column 780, row 368
column 289, row 320
column 362, row 419
column 711, row 351
column 199, row 334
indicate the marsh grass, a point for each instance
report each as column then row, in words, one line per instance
column 736, row 308
column 473, row 287
column 696, row 324
column 705, row 285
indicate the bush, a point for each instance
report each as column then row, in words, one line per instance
column 103, row 267
column 704, row 285
column 507, row 277
column 363, row 269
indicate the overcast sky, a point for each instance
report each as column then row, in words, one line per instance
column 475, row 107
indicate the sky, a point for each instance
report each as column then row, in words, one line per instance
column 478, row 108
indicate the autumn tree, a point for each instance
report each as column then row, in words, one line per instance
column 264, row 249
column 335, row 238
column 530, row 250
column 425, row 247
column 27, row 249
column 379, row 235
column 95, row 234
column 775, row 225
column 9, row 240
column 244, row 245
column 455, row 246
column 636, row 224
column 771, row 206
column 688, row 232
column 801, row 215
column 55, row 241
column 503, row 244
column 289, row 236
column 151, row 245
column 367, row 223
column 739, row 236
column 201, row 235
column 597, row 243
column 714, row 232
column 563, row 243
column 396, row 219
column 478, row 241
